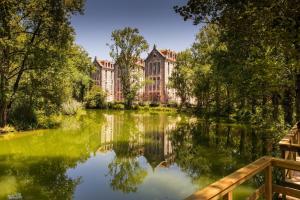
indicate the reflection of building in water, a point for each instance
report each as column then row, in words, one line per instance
column 140, row 136
column 107, row 134
column 158, row 151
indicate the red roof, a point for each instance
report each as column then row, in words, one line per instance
column 169, row 54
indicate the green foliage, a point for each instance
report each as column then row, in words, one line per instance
column 41, row 67
column 181, row 78
column 127, row 47
column 246, row 59
column 118, row 106
column 71, row 107
column 95, row 98
column 23, row 117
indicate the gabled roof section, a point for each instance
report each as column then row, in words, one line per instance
column 169, row 54
column 105, row 64
column 165, row 53
column 154, row 52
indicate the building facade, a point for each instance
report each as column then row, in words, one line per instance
column 104, row 77
column 156, row 70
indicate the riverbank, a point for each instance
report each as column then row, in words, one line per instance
column 54, row 121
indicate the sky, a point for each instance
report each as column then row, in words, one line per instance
column 155, row 19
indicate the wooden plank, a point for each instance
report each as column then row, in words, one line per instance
column 218, row 189
column 286, row 164
column 287, row 191
column 268, row 183
column 289, row 147
column 228, row 196
column 259, row 192
column 290, row 184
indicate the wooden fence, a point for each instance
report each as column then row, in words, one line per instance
column 289, row 147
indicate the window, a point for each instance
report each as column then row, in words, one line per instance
column 158, row 83
column 150, row 69
column 158, row 68
column 154, row 70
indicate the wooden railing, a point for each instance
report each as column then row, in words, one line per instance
column 289, row 147
column 225, row 186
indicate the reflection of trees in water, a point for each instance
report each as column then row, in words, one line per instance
column 126, row 174
column 135, row 135
column 42, row 178
column 214, row 149
column 37, row 163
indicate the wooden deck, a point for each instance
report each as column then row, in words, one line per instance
column 289, row 165
column 290, row 149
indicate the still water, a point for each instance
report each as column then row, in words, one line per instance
column 126, row 155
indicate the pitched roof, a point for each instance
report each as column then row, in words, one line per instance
column 168, row 54
column 105, row 64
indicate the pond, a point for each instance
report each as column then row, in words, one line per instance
column 126, row 155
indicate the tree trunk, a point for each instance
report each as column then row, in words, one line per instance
column 128, row 103
column 218, row 107
column 3, row 101
column 297, row 86
column 229, row 107
column 288, row 106
column 275, row 103
column 3, row 114
column 264, row 106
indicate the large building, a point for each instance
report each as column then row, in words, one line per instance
column 156, row 70
column 104, row 77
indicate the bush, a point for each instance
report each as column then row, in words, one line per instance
column 70, row 107
column 95, row 98
column 23, row 117
column 172, row 104
column 142, row 104
column 118, row 106
column 154, row 104
column 7, row 129
column 136, row 107
column 48, row 121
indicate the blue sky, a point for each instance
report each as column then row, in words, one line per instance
column 155, row 19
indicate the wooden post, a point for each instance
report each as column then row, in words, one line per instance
column 228, row 196
column 268, row 183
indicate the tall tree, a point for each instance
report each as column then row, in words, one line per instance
column 127, row 47
column 181, row 78
column 259, row 35
column 32, row 36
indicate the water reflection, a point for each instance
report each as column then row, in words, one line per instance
column 131, row 136
column 126, row 155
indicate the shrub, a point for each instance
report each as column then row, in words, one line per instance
column 95, row 98
column 141, row 103
column 7, row 129
column 154, row 104
column 70, row 107
column 118, row 106
column 44, row 121
column 136, row 107
column 23, row 117
column 172, row 104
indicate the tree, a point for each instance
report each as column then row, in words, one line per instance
column 80, row 65
column 181, row 78
column 34, row 36
column 127, row 47
column 262, row 50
